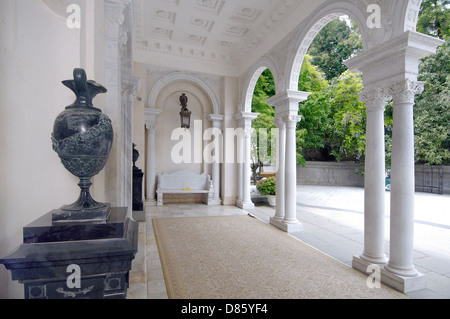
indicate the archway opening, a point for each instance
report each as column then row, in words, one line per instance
column 333, row 120
column 263, row 145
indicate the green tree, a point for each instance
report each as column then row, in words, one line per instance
column 432, row 110
column 316, row 124
column 265, row 88
column 335, row 43
column 261, row 142
column 434, row 18
column 349, row 115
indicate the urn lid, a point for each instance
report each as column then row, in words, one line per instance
column 84, row 90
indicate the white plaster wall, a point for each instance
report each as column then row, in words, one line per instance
column 169, row 120
column 37, row 52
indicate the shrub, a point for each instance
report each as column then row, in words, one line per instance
column 266, row 186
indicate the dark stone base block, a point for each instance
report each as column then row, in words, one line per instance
column 75, row 261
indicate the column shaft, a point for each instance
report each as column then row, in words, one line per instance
column 280, row 161
column 402, row 180
column 151, row 169
column 374, row 180
column 246, row 198
column 244, row 120
column 150, row 175
column 290, row 208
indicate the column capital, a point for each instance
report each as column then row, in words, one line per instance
column 292, row 120
column 216, row 119
column 286, row 102
column 130, row 85
column 288, row 95
column 150, row 117
column 244, row 119
column 405, row 91
column 279, row 123
column 375, row 99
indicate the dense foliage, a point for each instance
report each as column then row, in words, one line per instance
column 432, row 110
column 334, row 121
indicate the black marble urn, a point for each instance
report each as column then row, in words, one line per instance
column 83, row 137
column 86, row 249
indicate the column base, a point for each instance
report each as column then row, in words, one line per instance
column 361, row 263
column 214, row 202
column 405, row 284
column 150, row 202
column 245, row 205
column 286, row 227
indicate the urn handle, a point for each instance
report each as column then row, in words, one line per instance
column 84, row 90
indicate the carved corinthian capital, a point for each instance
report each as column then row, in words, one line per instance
column 375, row 99
column 292, row 120
column 405, row 91
column 279, row 122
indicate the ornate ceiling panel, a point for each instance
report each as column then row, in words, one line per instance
column 216, row 32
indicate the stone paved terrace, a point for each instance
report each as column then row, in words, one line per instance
column 333, row 222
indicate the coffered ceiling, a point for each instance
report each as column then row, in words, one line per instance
column 214, row 36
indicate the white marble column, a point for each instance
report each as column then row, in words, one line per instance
column 151, row 115
column 286, row 109
column 290, row 191
column 402, row 180
column 374, row 182
column 280, row 160
column 388, row 65
column 216, row 122
column 244, row 120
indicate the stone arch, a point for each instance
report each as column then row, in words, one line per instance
column 313, row 27
column 411, row 15
column 252, row 79
column 182, row 76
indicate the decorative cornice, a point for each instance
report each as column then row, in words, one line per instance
column 409, row 43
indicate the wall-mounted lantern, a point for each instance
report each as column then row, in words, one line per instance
column 185, row 114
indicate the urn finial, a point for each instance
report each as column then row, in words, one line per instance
column 84, row 90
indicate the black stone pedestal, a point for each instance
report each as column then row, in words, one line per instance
column 75, row 261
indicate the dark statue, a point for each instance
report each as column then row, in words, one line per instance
column 83, row 137
column 138, row 204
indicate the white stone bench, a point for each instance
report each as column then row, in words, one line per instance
column 184, row 182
